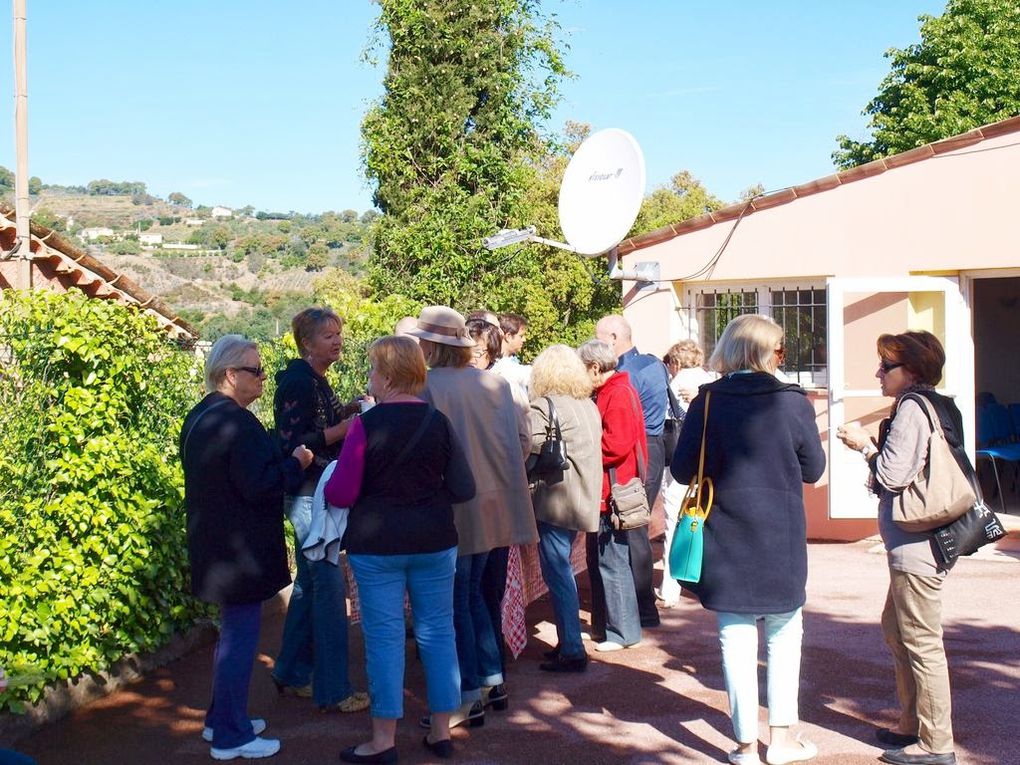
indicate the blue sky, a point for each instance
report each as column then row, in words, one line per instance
column 260, row 102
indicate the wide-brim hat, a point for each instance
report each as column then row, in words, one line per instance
column 441, row 324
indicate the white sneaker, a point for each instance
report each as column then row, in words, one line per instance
column 257, row 726
column 736, row 757
column 253, row 750
column 607, row 646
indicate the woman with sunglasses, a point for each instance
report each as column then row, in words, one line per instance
column 912, row 618
column 234, row 481
column 313, row 656
column 761, row 447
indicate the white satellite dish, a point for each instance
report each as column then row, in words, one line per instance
column 601, row 192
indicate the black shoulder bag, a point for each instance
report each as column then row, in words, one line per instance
column 552, row 456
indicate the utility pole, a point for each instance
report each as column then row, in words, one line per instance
column 23, row 251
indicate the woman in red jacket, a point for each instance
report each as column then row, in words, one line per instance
column 615, row 620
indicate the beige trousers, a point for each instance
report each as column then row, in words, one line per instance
column 912, row 625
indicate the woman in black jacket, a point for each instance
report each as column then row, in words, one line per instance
column 762, row 445
column 234, row 480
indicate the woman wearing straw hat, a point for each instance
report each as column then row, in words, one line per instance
column 481, row 408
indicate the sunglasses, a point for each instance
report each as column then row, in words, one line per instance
column 889, row 366
column 257, row 371
column 781, row 354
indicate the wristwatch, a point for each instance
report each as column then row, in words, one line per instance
column 867, row 450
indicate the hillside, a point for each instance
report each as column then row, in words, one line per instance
column 242, row 270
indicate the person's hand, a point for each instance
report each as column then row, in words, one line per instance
column 854, row 436
column 688, row 394
column 304, row 455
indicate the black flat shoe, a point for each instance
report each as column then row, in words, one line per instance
column 552, row 653
column 561, row 664
column 496, row 697
column 473, row 715
column 441, row 749
column 899, row 757
column 893, row 739
column 385, row 757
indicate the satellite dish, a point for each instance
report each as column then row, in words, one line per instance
column 602, row 191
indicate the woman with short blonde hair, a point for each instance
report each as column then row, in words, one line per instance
column 750, row 342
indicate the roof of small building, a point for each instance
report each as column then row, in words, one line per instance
column 62, row 261
column 819, row 185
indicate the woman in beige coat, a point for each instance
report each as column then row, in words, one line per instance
column 566, row 501
column 481, row 409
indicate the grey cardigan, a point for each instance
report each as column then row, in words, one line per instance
column 570, row 499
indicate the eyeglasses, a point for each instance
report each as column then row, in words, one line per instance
column 478, row 353
column 257, row 371
column 781, row 353
column 889, row 366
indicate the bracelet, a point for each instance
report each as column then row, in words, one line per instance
column 867, row 450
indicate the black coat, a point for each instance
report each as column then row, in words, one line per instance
column 762, row 445
column 234, row 481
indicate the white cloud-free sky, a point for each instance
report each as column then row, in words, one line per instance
column 260, row 102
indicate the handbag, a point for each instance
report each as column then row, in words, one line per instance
column 671, row 425
column 628, row 502
column 941, row 492
column 967, row 534
column 552, row 456
column 686, row 551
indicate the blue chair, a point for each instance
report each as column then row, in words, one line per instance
column 995, row 441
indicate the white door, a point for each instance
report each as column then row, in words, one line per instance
column 859, row 310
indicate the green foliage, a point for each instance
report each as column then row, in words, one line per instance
column 685, row 197
column 177, row 198
column 46, row 217
column 105, row 187
column 961, row 75
column 125, row 247
column 92, row 535
column 455, row 152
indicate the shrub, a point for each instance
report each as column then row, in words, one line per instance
column 93, row 560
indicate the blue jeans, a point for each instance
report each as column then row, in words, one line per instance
column 314, row 647
column 232, row 664
column 428, row 579
column 738, row 638
column 614, row 608
column 10, row 757
column 477, row 650
column 554, row 545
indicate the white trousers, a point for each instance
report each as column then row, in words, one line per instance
column 672, row 496
column 738, row 637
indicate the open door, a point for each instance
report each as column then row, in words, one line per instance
column 859, row 310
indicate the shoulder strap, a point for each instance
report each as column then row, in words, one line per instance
column 416, row 436
column 184, row 446
column 704, row 431
column 554, row 419
column 958, row 453
column 674, row 405
column 929, row 410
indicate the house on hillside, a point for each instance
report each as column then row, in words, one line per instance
column 221, row 213
column 58, row 265
column 920, row 240
column 193, row 221
column 150, row 240
column 92, row 234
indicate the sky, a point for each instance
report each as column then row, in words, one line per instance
column 260, row 102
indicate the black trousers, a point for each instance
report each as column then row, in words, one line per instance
column 638, row 539
column 493, row 589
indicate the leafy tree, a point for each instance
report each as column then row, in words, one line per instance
column 318, row 257
column 685, row 197
column 348, row 216
column 46, row 217
column 6, row 180
column 177, row 198
column 751, row 192
column 961, row 75
column 35, row 185
column 455, row 152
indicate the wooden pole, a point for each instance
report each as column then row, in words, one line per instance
column 24, row 252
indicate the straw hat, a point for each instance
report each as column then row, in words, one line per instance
column 442, row 325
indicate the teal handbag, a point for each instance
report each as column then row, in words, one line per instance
column 686, row 551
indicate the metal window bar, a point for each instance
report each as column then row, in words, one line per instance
column 801, row 313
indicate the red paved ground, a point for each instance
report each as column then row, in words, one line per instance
column 662, row 702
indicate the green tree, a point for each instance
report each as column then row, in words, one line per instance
column 448, row 146
column 685, row 197
column 961, row 75
column 318, row 257
column 35, row 185
column 177, row 198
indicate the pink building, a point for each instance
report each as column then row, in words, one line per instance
column 920, row 240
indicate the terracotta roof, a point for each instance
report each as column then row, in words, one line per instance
column 59, row 260
column 826, row 183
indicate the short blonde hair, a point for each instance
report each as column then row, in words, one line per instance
column 439, row 355
column 748, row 342
column 558, row 370
column 306, row 324
column 686, row 354
column 400, row 359
column 227, row 353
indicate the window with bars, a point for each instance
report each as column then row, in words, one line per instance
column 799, row 310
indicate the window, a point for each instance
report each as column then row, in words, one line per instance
column 799, row 309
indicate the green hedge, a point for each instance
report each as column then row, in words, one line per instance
column 93, row 560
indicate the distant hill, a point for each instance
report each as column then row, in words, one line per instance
column 242, row 270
